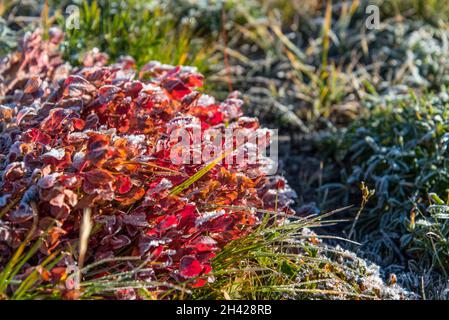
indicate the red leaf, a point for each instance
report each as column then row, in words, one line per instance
column 36, row 135
column 123, row 184
column 78, row 124
column 190, row 267
column 132, row 196
column 97, row 147
column 32, row 85
column 187, row 216
column 203, row 243
column 193, row 80
column 176, row 88
column 76, row 86
column 168, row 222
column 198, row 283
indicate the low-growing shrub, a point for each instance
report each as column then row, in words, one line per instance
column 87, row 173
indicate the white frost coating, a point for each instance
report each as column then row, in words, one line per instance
column 149, row 87
column 12, row 165
column 164, row 184
column 48, row 181
column 78, row 159
column 268, row 165
column 206, row 100
column 207, row 216
column 156, row 243
column 184, row 120
column 246, row 119
column 55, row 153
column 135, row 139
column 188, row 69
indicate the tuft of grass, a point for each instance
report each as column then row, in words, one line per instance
column 288, row 261
column 429, row 231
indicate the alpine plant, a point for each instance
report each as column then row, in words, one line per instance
column 97, row 138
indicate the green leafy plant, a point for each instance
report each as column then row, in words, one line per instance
column 400, row 150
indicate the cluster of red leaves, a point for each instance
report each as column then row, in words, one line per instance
column 33, row 70
column 97, row 139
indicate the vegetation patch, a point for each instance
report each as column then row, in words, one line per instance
column 92, row 205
